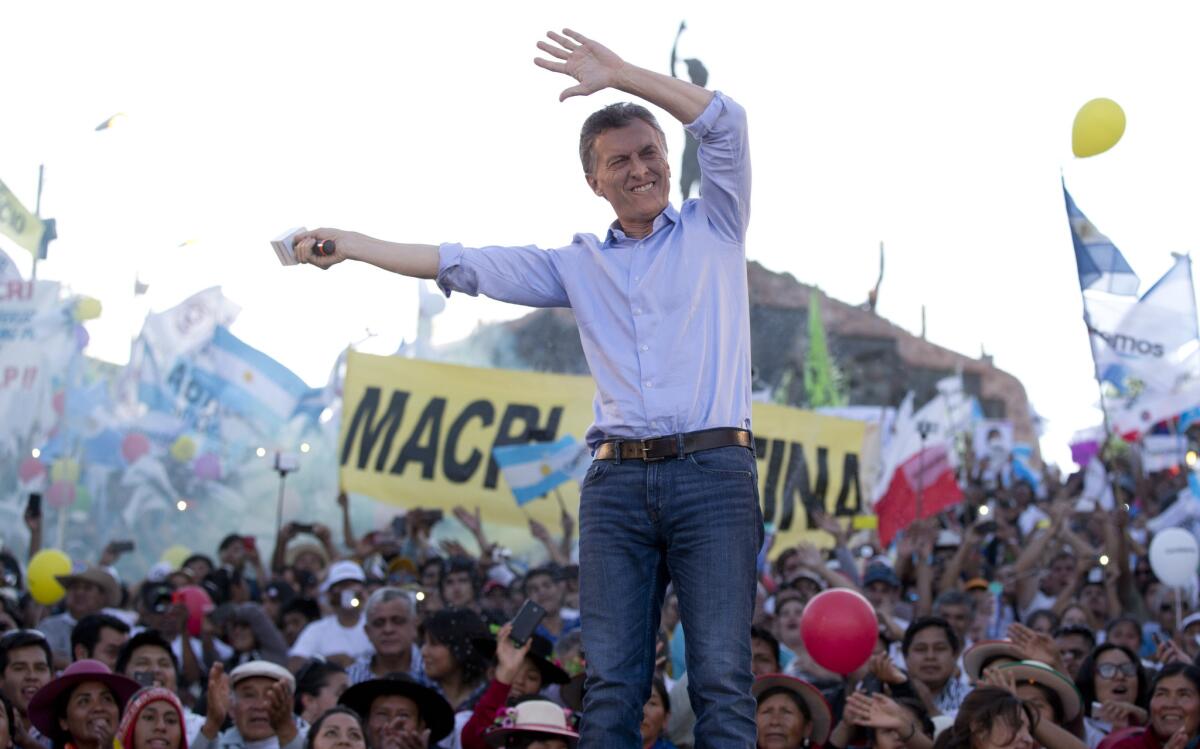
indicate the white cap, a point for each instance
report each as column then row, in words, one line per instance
column 340, row 572
column 1189, row 620
column 262, row 669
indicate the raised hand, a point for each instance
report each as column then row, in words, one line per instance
column 471, row 521
column 593, row 65
column 883, row 668
column 998, row 677
column 217, row 701
column 1121, row 715
column 1036, row 646
column 508, row 655
column 279, row 711
column 539, row 531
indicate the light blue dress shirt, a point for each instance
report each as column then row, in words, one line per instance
column 664, row 320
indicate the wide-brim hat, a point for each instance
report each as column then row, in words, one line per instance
column 98, row 577
column 978, row 655
column 42, row 706
column 536, row 717
column 1036, row 672
column 541, row 651
column 434, row 709
column 818, row 708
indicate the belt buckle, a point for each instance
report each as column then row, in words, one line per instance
column 645, row 448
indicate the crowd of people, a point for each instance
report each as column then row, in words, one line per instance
column 1009, row 620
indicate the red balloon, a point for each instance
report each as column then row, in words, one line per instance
column 134, row 446
column 61, row 494
column 198, row 604
column 30, row 469
column 839, row 629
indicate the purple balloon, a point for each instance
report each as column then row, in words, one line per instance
column 207, row 467
column 82, row 338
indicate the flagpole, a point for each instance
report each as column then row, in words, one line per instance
column 37, row 212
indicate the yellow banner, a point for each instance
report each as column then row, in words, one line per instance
column 18, row 224
column 415, row 433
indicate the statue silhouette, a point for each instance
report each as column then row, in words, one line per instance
column 689, row 172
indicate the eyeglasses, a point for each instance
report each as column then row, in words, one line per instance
column 1109, row 670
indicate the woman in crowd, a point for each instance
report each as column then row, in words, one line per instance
column 654, row 717
column 520, row 673
column 534, row 724
column 901, row 723
column 791, row 713
column 319, row 685
column 154, row 719
column 250, row 633
column 82, row 707
column 1174, row 721
column 452, row 661
column 1042, row 620
column 1053, row 698
column 990, row 718
column 338, row 726
column 1115, row 691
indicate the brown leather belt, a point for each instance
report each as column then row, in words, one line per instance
column 674, row 445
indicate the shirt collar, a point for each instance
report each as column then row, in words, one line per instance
column 615, row 233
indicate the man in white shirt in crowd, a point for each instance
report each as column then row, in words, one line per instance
column 339, row 637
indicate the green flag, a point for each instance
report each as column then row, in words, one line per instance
column 21, row 226
column 821, row 378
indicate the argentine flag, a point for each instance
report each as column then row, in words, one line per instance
column 250, row 383
column 534, row 469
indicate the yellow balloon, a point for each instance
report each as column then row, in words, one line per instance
column 183, row 449
column 174, row 555
column 45, row 566
column 1099, row 124
column 87, row 308
column 66, row 470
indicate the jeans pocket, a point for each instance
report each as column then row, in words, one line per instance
column 724, row 461
column 597, row 469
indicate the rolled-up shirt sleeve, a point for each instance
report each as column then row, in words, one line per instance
column 520, row 275
column 724, row 156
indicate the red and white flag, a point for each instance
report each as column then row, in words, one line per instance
column 917, row 470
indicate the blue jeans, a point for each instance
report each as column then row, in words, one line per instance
column 694, row 522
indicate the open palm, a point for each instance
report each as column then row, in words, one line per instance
column 590, row 63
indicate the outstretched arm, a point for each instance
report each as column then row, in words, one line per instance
column 415, row 260
column 597, row 67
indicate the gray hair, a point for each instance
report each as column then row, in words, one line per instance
column 612, row 117
column 387, row 595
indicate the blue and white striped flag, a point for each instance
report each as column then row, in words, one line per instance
column 534, row 469
column 250, row 383
column 1101, row 265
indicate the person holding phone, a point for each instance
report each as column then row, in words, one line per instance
column 522, row 670
column 339, row 637
column 664, row 320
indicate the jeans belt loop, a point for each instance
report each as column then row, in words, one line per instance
column 617, row 445
column 679, row 444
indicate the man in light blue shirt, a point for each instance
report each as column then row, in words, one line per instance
column 663, row 313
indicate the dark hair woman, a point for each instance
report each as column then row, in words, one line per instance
column 1113, row 678
column 337, row 726
column 154, row 718
column 82, row 707
column 452, row 660
column 1174, row 721
column 990, row 718
column 791, row 713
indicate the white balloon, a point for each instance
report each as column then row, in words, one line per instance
column 1174, row 556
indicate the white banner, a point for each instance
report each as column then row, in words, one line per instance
column 37, row 340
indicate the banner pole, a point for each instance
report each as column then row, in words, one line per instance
column 37, row 212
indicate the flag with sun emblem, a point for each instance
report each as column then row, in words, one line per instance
column 250, row 383
column 534, row 469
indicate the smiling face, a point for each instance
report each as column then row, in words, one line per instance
column 91, row 710
column 631, row 172
column 27, row 672
column 931, row 658
column 157, row 727
column 1175, row 704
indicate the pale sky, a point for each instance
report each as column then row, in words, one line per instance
column 939, row 128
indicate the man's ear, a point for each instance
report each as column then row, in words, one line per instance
column 594, row 185
column 81, row 653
